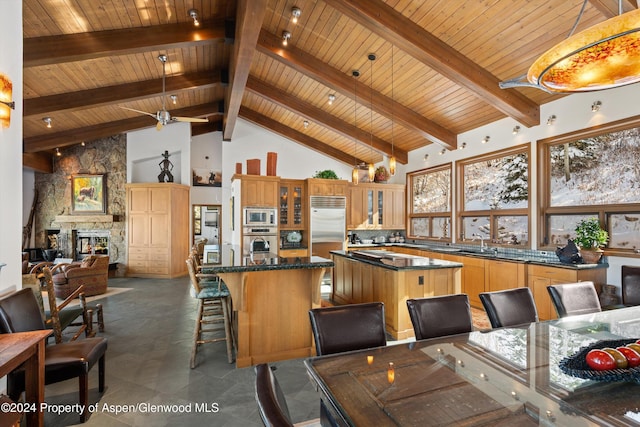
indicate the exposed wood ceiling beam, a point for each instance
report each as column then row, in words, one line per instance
column 609, row 8
column 250, row 15
column 39, row 162
column 391, row 25
column 320, row 116
column 213, row 125
column 119, row 94
column 61, row 139
column 82, row 46
column 298, row 137
column 307, row 64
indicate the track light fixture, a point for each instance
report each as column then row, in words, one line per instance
column 331, row 97
column 286, row 35
column 47, row 121
column 174, row 99
column 193, row 14
column 516, row 130
column 426, row 157
column 58, row 153
column 485, row 139
column 295, row 14
column 463, row 146
column 305, row 124
column 551, row 120
column 595, row 107
column 443, row 151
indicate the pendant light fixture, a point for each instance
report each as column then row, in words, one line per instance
column 372, row 168
column 604, row 56
column 392, row 159
column 355, row 173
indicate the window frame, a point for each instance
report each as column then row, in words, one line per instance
column 430, row 216
column 602, row 212
column 493, row 214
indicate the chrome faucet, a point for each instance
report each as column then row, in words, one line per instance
column 482, row 244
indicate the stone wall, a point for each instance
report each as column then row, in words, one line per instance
column 105, row 156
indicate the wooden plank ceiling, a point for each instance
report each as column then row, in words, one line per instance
column 435, row 74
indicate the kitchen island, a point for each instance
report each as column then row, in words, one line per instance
column 271, row 299
column 379, row 275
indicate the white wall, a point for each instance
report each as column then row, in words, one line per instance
column 11, row 149
column 145, row 148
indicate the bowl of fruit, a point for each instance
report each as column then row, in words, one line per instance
column 608, row 360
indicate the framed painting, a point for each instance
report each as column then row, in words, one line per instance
column 88, row 194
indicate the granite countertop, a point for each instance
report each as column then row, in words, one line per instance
column 234, row 261
column 396, row 261
column 520, row 257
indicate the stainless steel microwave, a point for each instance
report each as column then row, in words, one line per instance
column 260, row 216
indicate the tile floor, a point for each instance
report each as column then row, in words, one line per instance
column 149, row 329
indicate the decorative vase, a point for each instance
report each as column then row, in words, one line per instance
column 591, row 256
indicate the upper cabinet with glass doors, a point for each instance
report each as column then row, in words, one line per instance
column 292, row 204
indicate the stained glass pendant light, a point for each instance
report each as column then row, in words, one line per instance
column 604, row 56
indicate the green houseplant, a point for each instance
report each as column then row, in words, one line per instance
column 590, row 237
column 326, row 174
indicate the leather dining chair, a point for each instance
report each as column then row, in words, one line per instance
column 572, row 299
column 440, row 316
column 348, row 327
column 510, row 307
column 19, row 312
column 630, row 285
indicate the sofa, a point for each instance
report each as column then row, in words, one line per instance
column 92, row 272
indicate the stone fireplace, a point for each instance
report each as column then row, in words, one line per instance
column 83, row 235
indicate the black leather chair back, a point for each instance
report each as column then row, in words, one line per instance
column 511, row 307
column 573, row 299
column 271, row 402
column 440, row 316
column 348, row 327
column 19, row 312
column 630, row 285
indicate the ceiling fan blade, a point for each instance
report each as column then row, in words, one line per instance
column 159, row 126
column 190, row 119
column 138, row 111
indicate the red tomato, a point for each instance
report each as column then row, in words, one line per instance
column 600, row 360
column 632, row 356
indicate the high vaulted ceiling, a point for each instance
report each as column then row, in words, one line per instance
column 435, row 74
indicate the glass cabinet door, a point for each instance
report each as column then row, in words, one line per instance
column 284, row 205
column 297, row 205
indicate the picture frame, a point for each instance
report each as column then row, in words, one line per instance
column 88, row 194
column 202, row 177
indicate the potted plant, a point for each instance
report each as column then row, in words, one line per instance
column 381, row 174
column 590, row 238
column 326, row 174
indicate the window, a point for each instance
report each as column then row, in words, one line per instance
column 592, row 173
column 430, row 215
column 494, row 195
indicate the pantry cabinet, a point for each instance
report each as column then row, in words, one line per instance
column 376, row 207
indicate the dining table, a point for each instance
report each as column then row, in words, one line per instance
column 525, row 375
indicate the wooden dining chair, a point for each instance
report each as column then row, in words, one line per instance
column 348, row 327
column 440, row 316
column 509, row 307
column 572, row 299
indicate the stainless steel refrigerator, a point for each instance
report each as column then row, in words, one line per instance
column 328, row 224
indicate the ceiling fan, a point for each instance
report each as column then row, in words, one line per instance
column 162, row 116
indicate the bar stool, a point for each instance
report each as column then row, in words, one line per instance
column 214, row 308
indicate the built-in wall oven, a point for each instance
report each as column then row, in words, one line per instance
column 260, row 240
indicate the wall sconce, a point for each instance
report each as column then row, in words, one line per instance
column 6, row 104
column 174, row 99
column 551, row 120
column 193, row 14
column 485, row 139
column 595, row 107
column 47, row 121
column 295, row 14
column 463, row 146
column 516, row 130
column 332, row 98
column 286, row 35
column 305, row 124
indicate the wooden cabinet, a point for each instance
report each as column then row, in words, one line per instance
column 292, row 204
column 376, row 206
column 157, row 229
column 292, row 253
column 326, row 187
column 259, row 191
column 541, row 276
column 502, row 275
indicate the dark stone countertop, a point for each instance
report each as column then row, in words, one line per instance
column 234, row 261
column 396, row 261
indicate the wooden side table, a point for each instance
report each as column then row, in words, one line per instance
column 27, row 348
